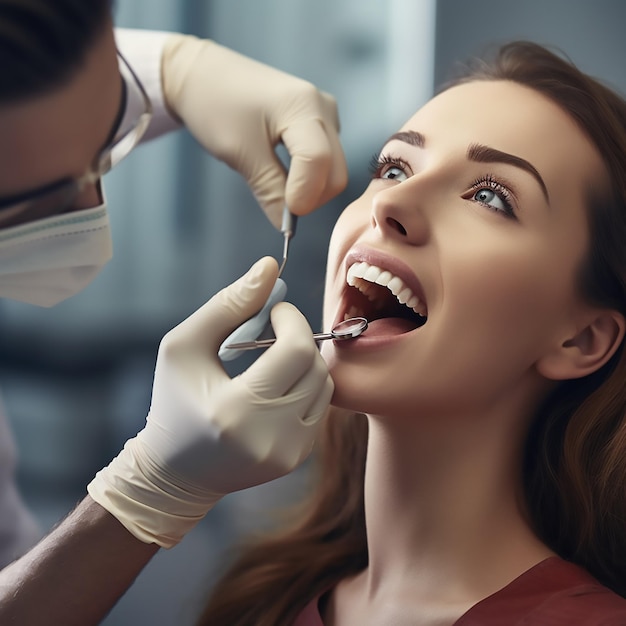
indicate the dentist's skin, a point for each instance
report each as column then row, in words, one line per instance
column 76, row 574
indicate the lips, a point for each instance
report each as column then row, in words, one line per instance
column 384, row 291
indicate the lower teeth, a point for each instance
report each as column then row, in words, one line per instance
column 353, row 312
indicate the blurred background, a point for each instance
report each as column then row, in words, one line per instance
column 76, row 379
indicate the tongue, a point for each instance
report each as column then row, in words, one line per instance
column 389, row 326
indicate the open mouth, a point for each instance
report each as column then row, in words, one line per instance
column 384, row 299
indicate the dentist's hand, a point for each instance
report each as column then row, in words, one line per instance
column 206, row 434
column 240, row 109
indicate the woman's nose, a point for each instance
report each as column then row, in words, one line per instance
column 397, row 212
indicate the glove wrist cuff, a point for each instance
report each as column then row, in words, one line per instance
column 149, row 506
column 180, row 54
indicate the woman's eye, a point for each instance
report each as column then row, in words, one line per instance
column 393, row 172
column 490, row 197
column 389, row 168
column 494, row 195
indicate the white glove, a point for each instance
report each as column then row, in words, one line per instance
column 240, row 109
column 206, row 434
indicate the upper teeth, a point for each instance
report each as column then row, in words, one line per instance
column 361, row 272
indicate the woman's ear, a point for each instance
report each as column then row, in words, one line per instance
column 588, row 349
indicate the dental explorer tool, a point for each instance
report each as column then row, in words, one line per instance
column 257, row 325
column 288, row 229
column 348, row 329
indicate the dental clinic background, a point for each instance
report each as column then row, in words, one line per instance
column 76, row 379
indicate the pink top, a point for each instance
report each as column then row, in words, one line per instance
column 552, row 593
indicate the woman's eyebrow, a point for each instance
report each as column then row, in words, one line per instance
column 411, row 137
column 480, row 153
column 485, row 154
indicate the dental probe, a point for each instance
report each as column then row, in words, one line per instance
column 257, row 324
column 288, row 229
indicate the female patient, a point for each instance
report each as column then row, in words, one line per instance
column 473, row 471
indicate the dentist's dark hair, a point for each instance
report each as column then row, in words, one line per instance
column 44, row 42
column 575, row 462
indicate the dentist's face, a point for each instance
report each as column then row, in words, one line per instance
column 57, row 136
column 476, row 218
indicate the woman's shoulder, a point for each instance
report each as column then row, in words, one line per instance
column 310, row 615
column 584, row 601
column 553, row 593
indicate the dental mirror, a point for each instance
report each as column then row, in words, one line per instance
column 348, row 329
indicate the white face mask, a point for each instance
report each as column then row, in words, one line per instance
column 47, row 261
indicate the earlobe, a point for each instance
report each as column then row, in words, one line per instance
column 588, row 350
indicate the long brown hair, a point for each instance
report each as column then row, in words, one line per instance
column 575, row 462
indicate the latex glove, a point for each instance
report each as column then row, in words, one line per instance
column 206, row 434
column 240, row 109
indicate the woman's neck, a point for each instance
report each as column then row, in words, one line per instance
column 443, row 514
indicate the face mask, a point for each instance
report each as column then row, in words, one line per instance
column 47, row 261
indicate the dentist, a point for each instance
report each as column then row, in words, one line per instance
column 75, row 98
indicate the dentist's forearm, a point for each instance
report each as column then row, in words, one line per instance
column 76, row 574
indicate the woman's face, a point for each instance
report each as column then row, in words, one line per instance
column 476, row 219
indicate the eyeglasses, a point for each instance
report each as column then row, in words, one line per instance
column 59, row 196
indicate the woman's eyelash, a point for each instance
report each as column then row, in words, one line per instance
column 491, row 182
column 380, row 163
